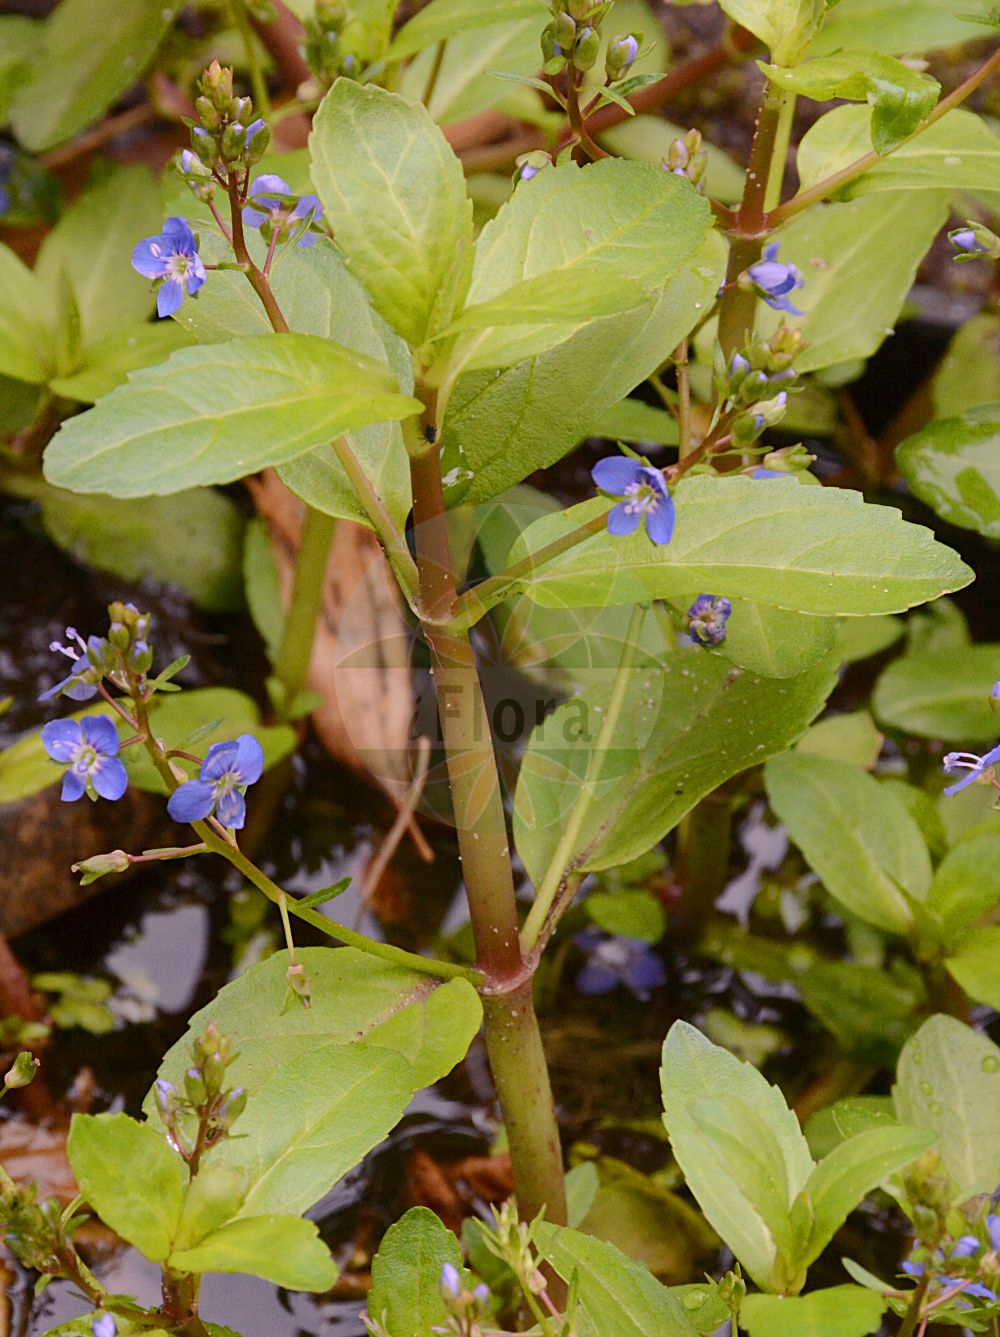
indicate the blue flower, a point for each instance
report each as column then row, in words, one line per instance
column 81, row 684
column 644, row 494
column 265, row 193
column 765, row 474
column 226, row 772
column 614, row 961
column 90, row 747
column 966, row 240
column 450, row 1280
column 105, row 1326
column 707, row 618
column 966, row 1246
column 968, row 761
column 993, row 1230
column 773, row 280
column 173, row 257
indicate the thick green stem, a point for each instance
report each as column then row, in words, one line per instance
column 912, row 1316
column 291, row 665
column 739, row 305
column 180, row 1303
column 566, row 850
column 513, row 1040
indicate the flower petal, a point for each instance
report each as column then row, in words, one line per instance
column 267, row 184
column 249, row 761
column 596, row 978
column 101, row 734
column 219, row 759
column 660, row 521
column 169, row 298
column 622, row 520
column 615, row 474
column 149, row 257
column 177, row 232
column 109, row 777
column 964, row 783
column 192, row 802
column 78, row 691
column 645, row 971
column 61, row 738
column 231, row 809
column 73, row 786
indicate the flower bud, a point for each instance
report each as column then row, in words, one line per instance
column 553, row 55
column 587, row 48
column 194, row 1087
column 754, row 385
column 258, row 137
column 564, row 31
column 580, row 9
column 621, row 55
column 747, row 428
column 973, row 241
column 167, row 1100
column 530, row 164
column 231, row 1109
column 737, row 372
column 21, row 1072
column 117, row 861
column 207, row 114
column 232, row 143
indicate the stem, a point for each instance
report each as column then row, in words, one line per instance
column 566, row 850
column 432, row 78
column 577, row 122
column 683, row 400
column 779, row 160
column 392, row 540
column 180, row 1303
column 247, row 36
column 912, row 1316
column 857, row 168
column 424, row 965
column 513, row 1040
column 291, row 664
column 739, row 305
column 257, row 278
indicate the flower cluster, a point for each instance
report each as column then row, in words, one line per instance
column 707, row 618
column 228, row 137
column 644, row 497
column 960, row 1267
column 324, row 49
column 773, row 280
column 613, row 961
column 573, row 38
column 462, row 1303
column 688, row 158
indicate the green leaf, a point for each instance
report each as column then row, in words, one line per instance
column 26, row 317
column 215, row 414
column 628, row 914
column 262, row 586
column 966, row 886
column 499, row 429
column 76, row 77
column 328, row 1083
column 841, row 1311
column 632, row 420
column 975, row 965
column 941, row 694
column 213, row 1197
column 774, row 642
column 852, row 738
column 19, row 40
column 869, row 1012
column 133, row 1180
column 629, row 224
column 859, row 260
column 900, row 97
column 910, row 29
column 861, row 637
column 693, row 1069
column 317, row 296
column 477, row 68
column 689, row 723
column 969, row 372
column 954, row 466
column 394, row 194
column 786, row 26
column 948, row 1080
column 92, row 244
column 958, row 152
column 852, row 1170
column 108, row 361
column 863, row 844
column 443, row 19
column 732, row 1164
column 617, row 1295
column 816, row 550
column 844, row 1119
column 192, row 540
column 405, row 1297
column 283, row 1249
